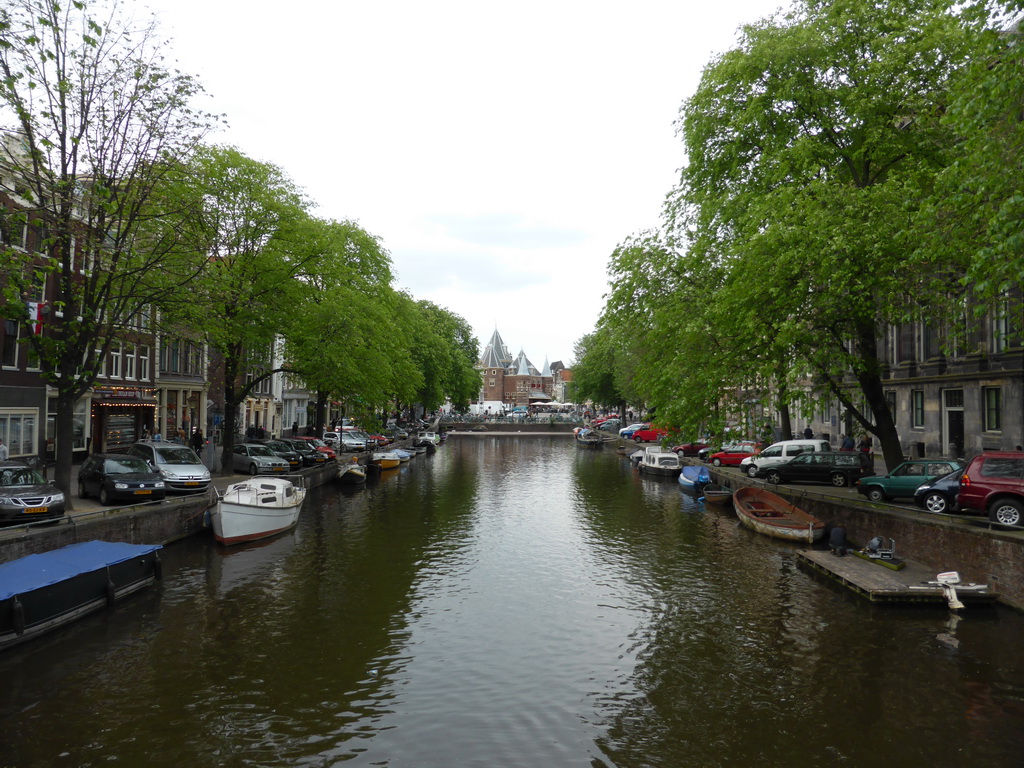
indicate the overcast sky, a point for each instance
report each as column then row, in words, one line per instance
column 500, row 151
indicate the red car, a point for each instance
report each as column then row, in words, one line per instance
column 731, row 457
column 689, row 449
column 993, row 484
column 320, row 445
column 649, row 435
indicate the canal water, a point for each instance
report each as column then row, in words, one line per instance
column 513, row 601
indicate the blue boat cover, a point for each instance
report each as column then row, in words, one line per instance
column 34, row 571
column 692, row 475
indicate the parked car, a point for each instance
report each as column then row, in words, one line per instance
column 256, row 459
column 627, row 432
column 609, row 425
column 777, row 453
column 333, row 439
column 319, row 445
column 993, row 485
column 283, row 450
column 396, row 433
column 753, row 446
column 179, row 465
column 353, row 440
column 838, row 468
column 905, row 479
column 732, row 456
column 119, row 477
column 311, row 457
column 689, row 449
column 649, row 435
column 940, row 494
column 25, row 495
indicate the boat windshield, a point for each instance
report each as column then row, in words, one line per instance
column 125, row 465
column 19, row 476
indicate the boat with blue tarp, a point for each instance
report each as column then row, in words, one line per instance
column 693, row 478
column 44, row 591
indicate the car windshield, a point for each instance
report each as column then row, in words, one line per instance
column 276, row 446
column 176, row 455
column 301, row 446
column 260, row 450
column 318, row 443
column 19, row 476
column 124, row 466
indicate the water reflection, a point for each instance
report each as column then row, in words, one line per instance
column 513, row 601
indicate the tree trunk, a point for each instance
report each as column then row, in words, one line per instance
column 870, row 379
column 230, row 412
column 64, row 435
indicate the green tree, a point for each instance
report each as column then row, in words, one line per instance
column 97, row 119
column 444, row 351
column 808, row 147
column 247, row 223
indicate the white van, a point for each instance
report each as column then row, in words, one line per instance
column 777, row 453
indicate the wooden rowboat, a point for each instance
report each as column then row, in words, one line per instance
column 772, row 515
column 717, row 494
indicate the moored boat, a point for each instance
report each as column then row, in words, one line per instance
column 588, row 438
column 385, row 459
column 772, row 515
column 351, row 474
column 693, row 478
column 717, row 494
column 256, row 509
column 655, row 461
column 41, row 592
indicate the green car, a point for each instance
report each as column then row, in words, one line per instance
column 905, row 479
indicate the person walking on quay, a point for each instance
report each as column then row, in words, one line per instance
column 808, row 433
column 197, row 440
column 4, row 452
column 865, row 444
column 847, row 443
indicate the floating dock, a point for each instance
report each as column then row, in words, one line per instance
column 913, row 583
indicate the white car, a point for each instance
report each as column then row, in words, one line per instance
column 333, row 439
column 633, row 427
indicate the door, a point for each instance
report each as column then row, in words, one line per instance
column 953, row 422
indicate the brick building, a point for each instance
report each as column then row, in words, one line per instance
column 512, row 380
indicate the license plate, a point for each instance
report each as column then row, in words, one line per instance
column 191, row 482
column 36, row 510
column 280, row 469
column 142, row 493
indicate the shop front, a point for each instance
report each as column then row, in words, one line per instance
column 120, row 417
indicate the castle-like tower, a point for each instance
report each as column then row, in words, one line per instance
column 512, row 380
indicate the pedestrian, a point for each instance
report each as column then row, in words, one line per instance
column 847, row 444
column 197, row 440
column 865, row 444
column 4, row 453
column 808, row 433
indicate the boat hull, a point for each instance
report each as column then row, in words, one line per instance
column 693, row 478
column 247, row 513
column 717, row 494
column 43, row 592
column 771, row 515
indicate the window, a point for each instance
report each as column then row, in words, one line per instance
column 993, row 408
column 10, row 349
column 115, row 360
column 18, row 430
column 917, row 407
column 890, row 403
column 129, row 361
column 144, row 362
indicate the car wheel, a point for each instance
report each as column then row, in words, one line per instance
column 253, row 469
column 104, row 496
column 82, row 493
column 875, row 494
column 751, row 470
column 936, row 502
column 717, row 462
column 1006, row 512
column 636, row 439
column 839, row 480
column 773, row 477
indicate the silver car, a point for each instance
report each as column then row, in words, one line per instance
column 256, row 459
column 180, row 467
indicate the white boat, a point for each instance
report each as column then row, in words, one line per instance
column 385, row 459
column 655, row 461
column 256, row 509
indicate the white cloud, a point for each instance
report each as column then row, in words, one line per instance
column 500, row 151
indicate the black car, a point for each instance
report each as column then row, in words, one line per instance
column 117, row 476
column 25, row 495
column 839, row 468
column 311, row 457
column 939, row 495
column 282, row 449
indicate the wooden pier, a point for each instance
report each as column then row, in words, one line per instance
column 912, row 583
